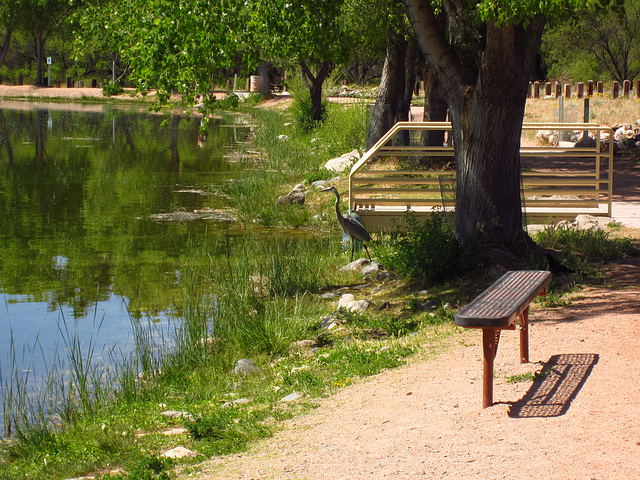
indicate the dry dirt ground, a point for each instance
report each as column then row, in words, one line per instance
column 425, row 420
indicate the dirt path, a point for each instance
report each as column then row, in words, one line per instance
column 426, row 421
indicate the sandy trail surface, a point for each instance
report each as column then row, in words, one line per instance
column 425, row 420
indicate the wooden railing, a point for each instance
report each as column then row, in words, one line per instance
column 378, row 191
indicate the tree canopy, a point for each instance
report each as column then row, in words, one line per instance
column 608, row 44
column 170, row 45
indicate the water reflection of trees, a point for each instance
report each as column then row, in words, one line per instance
column 4, row 138
column 97, row 178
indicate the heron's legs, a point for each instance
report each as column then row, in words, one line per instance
column 353, row 244
column 368, row 255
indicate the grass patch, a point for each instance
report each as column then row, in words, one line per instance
column 589, row 245
column 528, row 377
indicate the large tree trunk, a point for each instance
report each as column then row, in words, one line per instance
column 314, row 84
column 39, row 47
column 435, row 110
column 5, row 46
column 391, row 88
column 265, row 84
column 486, row 115
column 488, row 206
column 406, row 95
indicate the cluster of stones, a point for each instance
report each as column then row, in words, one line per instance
column 347, row 91
column 581, row 222
column 626, row 135
column 338, row 164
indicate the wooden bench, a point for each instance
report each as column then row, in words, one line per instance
column 500, row 307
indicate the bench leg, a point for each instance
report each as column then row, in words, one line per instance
column 524, row 336
column 490, row 339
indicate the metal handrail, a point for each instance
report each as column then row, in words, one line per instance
column 579, row 183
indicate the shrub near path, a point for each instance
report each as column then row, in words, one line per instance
column 578, row 420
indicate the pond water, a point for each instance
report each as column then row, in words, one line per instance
column 88, row 243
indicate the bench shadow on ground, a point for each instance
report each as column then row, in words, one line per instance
column 551, row 396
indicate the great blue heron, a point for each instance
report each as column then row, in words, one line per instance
column 350, row 225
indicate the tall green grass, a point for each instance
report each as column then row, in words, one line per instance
column 248, row 300
column 290, row 161
column 593, row 244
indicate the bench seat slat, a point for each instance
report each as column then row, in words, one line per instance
column 500, row 304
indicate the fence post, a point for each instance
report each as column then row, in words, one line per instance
column 536, row 89
column 567, row 90
column 530, row 90
column 547, row 89
column 558, row 93
column 638, row 89
column 626, row 88
column 580, row 88
column 600, row 88
column 616, row 89
column 590, row 88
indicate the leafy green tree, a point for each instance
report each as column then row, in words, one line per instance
column 169, row 45
column 305, row 32
column 41, row 18
column 608, row 44
column 483, row 60
column 10, row 14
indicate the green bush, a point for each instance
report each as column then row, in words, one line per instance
column 110, row 88
column 426, row 250
column 229, row 102
column 592, row 244
column 302, row 109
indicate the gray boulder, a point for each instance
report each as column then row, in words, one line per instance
column 294, row 196
column 245, row 366
column 343, row 162
column 355, row 265
column 372, row 269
